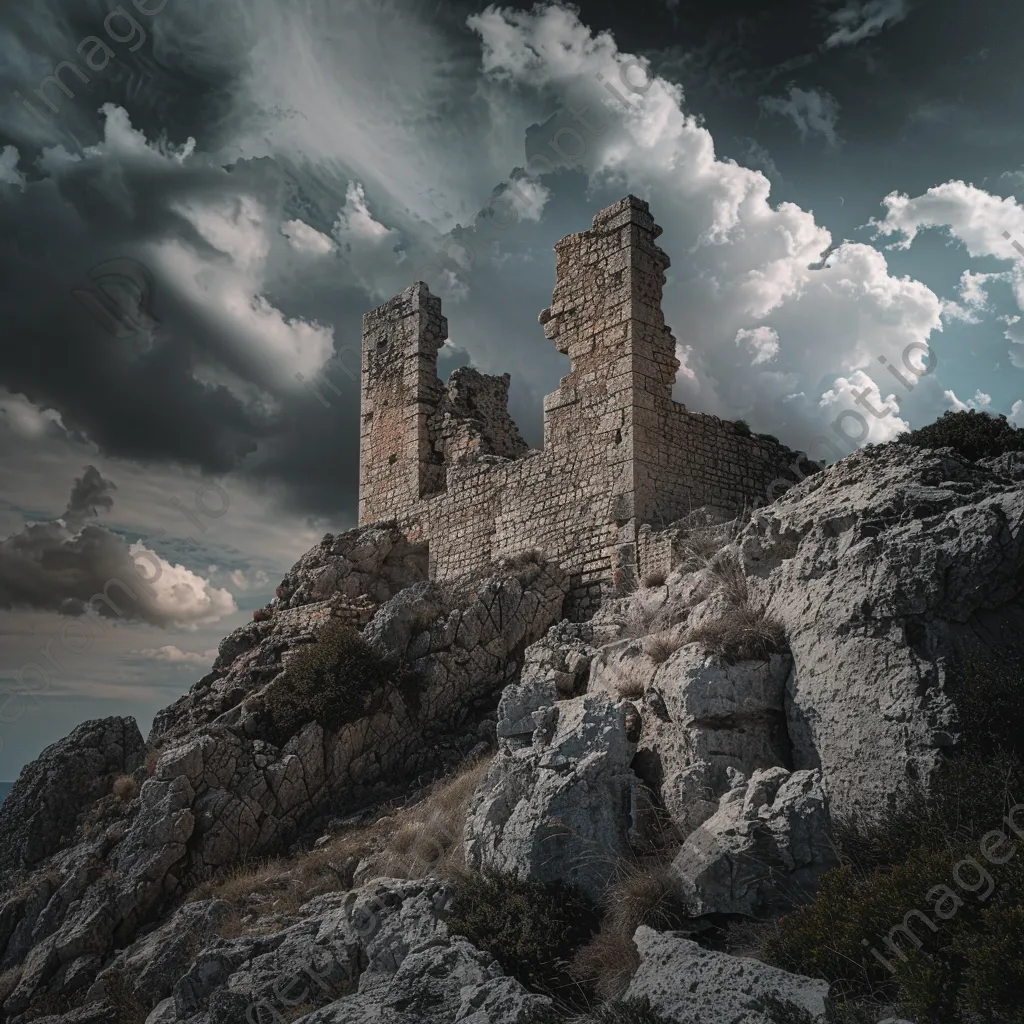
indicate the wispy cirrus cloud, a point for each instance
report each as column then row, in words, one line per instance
column 813, row 111
column 862, row 19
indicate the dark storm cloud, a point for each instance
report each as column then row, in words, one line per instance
column 195, row 388
column 76, row 567
column 90, row 493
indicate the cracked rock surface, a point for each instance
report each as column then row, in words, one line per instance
column 89, row 871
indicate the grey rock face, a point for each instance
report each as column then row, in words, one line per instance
column 41, row 812
column 764, row 849
column 687, row 983
column 711, row 717
column 219, row 793
column 559, row 802
column 883, row 569
column 348, row 576
column 382, row 953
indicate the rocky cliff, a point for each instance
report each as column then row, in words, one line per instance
column 292, row 840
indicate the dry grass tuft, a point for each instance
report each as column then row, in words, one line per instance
column 9, row 980
column 739, row 634
column 629, row 689
column 729, row 577
column 643, row 893
column 416, row 841
column 606, row 963
column 642, row 613
column 661, row 646
column 654, row 579
column 125, row 788
column 700, row 545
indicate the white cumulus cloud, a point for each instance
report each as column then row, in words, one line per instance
column 740, row 259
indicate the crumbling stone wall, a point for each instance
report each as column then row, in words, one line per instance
column 450, row 466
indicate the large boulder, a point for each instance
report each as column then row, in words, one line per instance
column 763, row 850
column 690, row 984
column 885, row 570
column 704, row 717
column 560, row 800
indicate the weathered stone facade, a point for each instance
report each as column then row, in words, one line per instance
column 448, row 464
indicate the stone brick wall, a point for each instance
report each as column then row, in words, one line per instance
column 449, row 465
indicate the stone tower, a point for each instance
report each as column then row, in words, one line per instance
column 400, row 389
column 606, row 316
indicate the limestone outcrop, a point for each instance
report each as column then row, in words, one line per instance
column 560, row 800
column 215, row 790
column 799, row 666
column 43, row 810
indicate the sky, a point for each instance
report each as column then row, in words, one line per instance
column 198, row 209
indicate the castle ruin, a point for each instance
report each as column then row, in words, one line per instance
column 620, row 460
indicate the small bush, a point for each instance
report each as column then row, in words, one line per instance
column 531, row 928
column 654, row 579
column 740, row 634
column 336, row 680
column 125, row 788
column 262, row 614
column 973, row 434
column 531, row 556
column 969, row 959
column 742, row 427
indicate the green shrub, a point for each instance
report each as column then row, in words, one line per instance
column 971, row 957
column 742, row 428
column 987, row 686
column 973, row 434
column 336, row 680
column 531, row 928
column 993, row 974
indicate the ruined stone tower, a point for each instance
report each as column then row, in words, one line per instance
column 619, row 456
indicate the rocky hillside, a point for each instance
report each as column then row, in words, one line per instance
column 400, row 801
